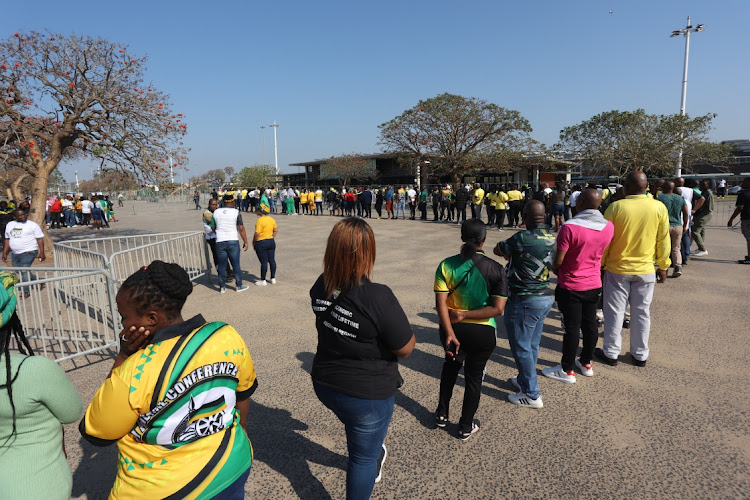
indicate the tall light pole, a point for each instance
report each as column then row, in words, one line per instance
column 263, row 133
column 171, row 171
column 686, row 32
column 275, row 147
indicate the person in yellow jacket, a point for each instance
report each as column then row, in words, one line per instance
column 477, row 196
column 641, row 230
column 303, row 201
column 311, row 202
column 501, row 208
column 515, row 202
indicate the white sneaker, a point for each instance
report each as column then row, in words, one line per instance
column 522, row 399
column 557, row 373
column 587, row 370
column 261, row 283
column 700, row 253
column 273, row 281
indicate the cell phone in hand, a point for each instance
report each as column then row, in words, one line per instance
column 450, row 352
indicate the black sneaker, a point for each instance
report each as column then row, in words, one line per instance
column 599, row 355
column 464, row 436
column 441, row 420
column 746, row 260
column 637, row 362
column 626, row 323
column 381, row 461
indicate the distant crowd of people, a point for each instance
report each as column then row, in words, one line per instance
column 176, row 400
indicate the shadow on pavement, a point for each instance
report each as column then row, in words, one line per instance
column 96, row 471
column 277, row 444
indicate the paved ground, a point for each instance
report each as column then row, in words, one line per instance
column 677, row 428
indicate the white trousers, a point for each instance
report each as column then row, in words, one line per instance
column 619, row 291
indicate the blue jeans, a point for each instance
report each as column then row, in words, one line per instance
column 236, row 490
column 24, row 260
column 685, row 246
column 366, row 423
column 229, row 251
column 266, row 251
column 401, row 207
column 524, row 320
column 70, row 218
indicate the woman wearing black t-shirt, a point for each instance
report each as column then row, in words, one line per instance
column 470, row 290
column 362, row 331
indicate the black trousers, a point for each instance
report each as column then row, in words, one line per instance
column 514, row 212
column 413, row 210
column 379, row 209
column 579, row 312
column 477, row 342
column 423, row 210
column 499, row 218
column 436, row 211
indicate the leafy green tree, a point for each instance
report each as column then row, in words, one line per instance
column 458, row 135
column 79, row 97
column 617, row 142
column 348, row 167
column 255, row 176
column 216, row 176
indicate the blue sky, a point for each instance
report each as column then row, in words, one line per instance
column 329, row 72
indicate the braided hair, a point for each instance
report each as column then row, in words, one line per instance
column 12, row 329
column 473, row 233
column 159, row 285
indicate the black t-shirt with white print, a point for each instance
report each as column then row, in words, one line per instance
column 356, row 340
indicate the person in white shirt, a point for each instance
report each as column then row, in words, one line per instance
column 227, row 223
column 412, row 195
column 24, row 240
column 86, row 207
column 68, row 212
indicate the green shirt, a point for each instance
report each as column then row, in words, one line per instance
column 471, row 283
column 32, row 463
column 532, row 253
column 674, row 204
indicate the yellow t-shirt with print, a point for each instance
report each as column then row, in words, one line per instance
column 171, row 407
column 303, row 198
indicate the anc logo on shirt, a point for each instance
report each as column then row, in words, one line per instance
column 200, row 404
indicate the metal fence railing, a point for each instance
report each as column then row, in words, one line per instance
column 67, row 313
column 69, row 310
column 123, row 255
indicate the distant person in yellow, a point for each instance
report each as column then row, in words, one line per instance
column 265, row 244
column 177, row 397
column 501, row 207
column 477, row 196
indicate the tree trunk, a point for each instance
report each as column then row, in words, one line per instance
column 38, row 208
column 15, row 193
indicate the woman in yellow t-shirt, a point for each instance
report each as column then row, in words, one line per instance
column 303, row 201
column 264, row 243
column 311, row 202
column 501, row 206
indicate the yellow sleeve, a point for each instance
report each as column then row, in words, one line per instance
column 246, row 377
column 258, row 225
column 110, row 416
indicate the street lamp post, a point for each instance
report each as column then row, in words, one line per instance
column 275, row 147
column 263, row 133
column 689, row 28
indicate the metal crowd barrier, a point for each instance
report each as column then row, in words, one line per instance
column 67, row 313
column 123, row 255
